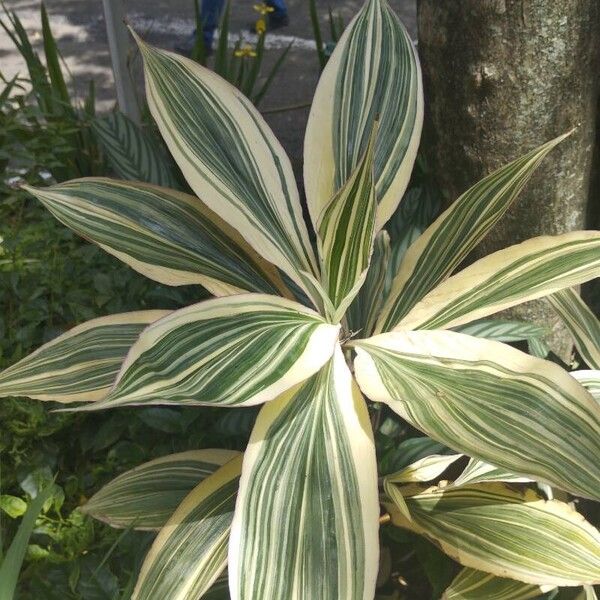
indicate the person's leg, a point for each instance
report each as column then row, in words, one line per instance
column 278, row 5
column 279, row 16
column 210, row 15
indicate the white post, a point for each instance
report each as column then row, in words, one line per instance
column 118, row 44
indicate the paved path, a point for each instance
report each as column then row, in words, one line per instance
column 80, row 31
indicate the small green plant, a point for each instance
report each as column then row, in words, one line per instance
column 298, row 514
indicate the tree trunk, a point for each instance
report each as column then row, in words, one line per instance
column 501, row 77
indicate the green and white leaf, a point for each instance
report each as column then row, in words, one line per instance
column 230, row 157
column 345, row 234
column 478, row 471
column 239, row 350
column 364, row 309
column 450, row 238
column 307, row 526
column 81, row 364
column 471, row 584
column 131, row 152
column 503, row 330
column 168, row 236
column 146, row 496
column 190, row 552
column 373, row 74
column 526, row 271
column 489, row 401
column 581, row 322
column 590, row 380
column 508, row 533
column 424, row 469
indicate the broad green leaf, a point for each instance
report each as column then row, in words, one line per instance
column 190, row 551
column 508, row 533
column 81, row 364
column 478, row 471
column 502, row 330
column 590, row 380
column 489, row 401
column 373, row 74
column 364, row 309
column 410, row 451
column 471, row 584
column 450, row 238
column 146, row 496
column 244, row 349
column 131, row 152
column 306, row 526
column 10, row 565
column 345, row 234
column 530, row 270
column 229, row 157
column 166, row 235
column 582, row 323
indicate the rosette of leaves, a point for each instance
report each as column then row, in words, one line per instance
column 298, row 515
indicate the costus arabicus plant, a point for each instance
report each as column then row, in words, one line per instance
column 315, row 334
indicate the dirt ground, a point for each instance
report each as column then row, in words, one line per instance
column 80, row 31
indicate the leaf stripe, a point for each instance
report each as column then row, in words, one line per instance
column 306, row 527
column 582, row 323
column 509, row 533
column 229, row 157
column 146, row 496
column 489, row 401
column 190, row 552
column 131, row 152
column 239, row 350
column 372, row 74
column 168, row 236
column 81, row 364
column 527, row 271
column 450, row 238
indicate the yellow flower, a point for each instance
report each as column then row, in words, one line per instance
column 260, row 26
column 263, row 9
column 245, row 51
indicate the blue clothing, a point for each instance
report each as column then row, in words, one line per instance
column 211, row 13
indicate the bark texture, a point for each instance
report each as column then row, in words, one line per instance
column 501, row 77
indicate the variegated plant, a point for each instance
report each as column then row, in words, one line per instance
column 312, row 332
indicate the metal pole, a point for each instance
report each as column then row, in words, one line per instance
column 118, row 44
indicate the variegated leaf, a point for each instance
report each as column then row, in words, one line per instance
column 502, row 330
column 81, row 364
column 424, row 469
column 582, row 323
column 229, row 157
column 478, row 471
column 306, row 527
column 239, row 350
column 489, row 401
column 530, row 270
column 494, row 528
column 131, row 152
column 364, row 309
column 471, row 584
column 146, row 496
column 345, row 234
column 450, row 238
column 190, row 551
column 167, row 236
column 372, row 74
column 590, row 380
